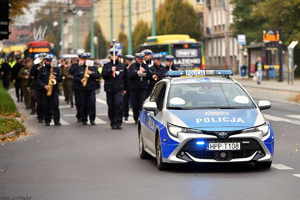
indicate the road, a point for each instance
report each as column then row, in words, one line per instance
column 75, row 162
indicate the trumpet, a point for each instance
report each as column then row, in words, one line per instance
column 86, row 76
column 51, row 82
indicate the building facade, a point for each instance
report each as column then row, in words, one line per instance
column 221, row 46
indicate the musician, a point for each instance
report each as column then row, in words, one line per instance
column 157, row 71
column 170, row 66
column 48, row 79
column 87, row 74
column 138, row 83
column 129, row 59
column 24, row 76
column 114, row 76
column 67, row 82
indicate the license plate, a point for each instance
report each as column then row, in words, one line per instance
column 234, row 146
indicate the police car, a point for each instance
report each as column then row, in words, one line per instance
column 206, row 119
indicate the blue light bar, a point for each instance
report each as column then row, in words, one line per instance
column 200, row 73
column 200, row 142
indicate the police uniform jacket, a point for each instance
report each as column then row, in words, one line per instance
column 43, row 77
column 160, row 71
column 92, row 80
column 75, row 70
column 134, row 80
column 117, row 83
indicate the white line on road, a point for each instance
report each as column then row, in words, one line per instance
column 101, row 101
column 297, row 175
column 281, row 119
column 100, row 121
column 281, row 167
column 294, row 116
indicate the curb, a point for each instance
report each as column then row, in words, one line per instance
column 11, row 134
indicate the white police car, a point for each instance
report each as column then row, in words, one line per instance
column 208, row 119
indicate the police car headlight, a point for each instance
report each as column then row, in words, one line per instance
column 175, row 130
column 264, row 129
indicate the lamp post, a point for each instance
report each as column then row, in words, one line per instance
column 153, row 18
column 129, row 28
column 92, row 31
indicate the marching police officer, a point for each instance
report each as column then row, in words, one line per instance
column 67, row 82
column 170, row 63
column 74, row 70
column 148, row 57
column 158, row 72
column 24, row 76
column 48, row 79
column 6, row 74
column 114, row 76
column 87, row 74
column 127, row 102
column 15, row 72
column 138, row 83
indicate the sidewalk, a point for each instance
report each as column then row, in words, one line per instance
column 270, row 84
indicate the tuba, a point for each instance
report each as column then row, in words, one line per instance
column 51, row 82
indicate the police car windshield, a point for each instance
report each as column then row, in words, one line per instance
column 208, row 96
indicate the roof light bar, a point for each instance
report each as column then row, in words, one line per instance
column 200, row 73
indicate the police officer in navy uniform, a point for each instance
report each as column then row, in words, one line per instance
column 74, row 70
column 15, row 72
column 50, row 72
column 170, row 66
column 158, row 72
column 114, row 75
column 138, row 84
column 87, row 72
column 6, row 74
column 148, row 55
column 129, row 59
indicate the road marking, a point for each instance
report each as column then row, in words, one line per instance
column 64, row 106
column 281, row 119
column 297, row 175
column 69, row 115
column 100, row 101
column 100, row 121
column 281, row 167
column 294, row 116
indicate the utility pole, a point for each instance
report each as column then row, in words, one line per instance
column 153, row 18
column 129, row 28
column 92, row 31
column 61, row 31
column 111, row 21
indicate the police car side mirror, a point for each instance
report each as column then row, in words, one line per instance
column 150, row 106
column 264, row 104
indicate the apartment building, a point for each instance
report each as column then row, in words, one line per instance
column 221, row 46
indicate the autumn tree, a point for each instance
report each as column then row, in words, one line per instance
column 122, row 38
column 140, row 33
column 18, row 7
column 178, row 17
column 102, row 45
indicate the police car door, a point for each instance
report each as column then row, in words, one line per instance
column 155, row 118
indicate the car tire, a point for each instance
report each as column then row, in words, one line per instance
column 263, row 165
column 142, row 153
column 159, row 162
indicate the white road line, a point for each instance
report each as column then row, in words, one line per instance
column 64, row 106
column 281, row 167
column 294, row 116
column 100, row 121
column 101, row 101
column 281, row 119
column 297, row 175
column 69, row 115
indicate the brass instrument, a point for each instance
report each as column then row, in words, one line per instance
column 51, row 82
column 86, row 76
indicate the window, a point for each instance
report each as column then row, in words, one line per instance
column 158, row 95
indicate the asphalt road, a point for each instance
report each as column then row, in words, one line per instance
column 75, row 162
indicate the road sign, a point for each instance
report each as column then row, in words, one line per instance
column 241, row 39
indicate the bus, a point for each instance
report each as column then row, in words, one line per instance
column 38, row 47
column 187, row 51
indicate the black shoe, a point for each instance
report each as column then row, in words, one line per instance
column 119, row 127
column 84, row 123
column 47, row 124
column 113, row 127
column 57, row 124
column 92, row 123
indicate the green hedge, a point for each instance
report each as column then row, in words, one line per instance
column 8, row 125
column 7, row 105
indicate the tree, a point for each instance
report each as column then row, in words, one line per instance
column 140, row 33
column 122, row 38
column 245, row 22
column 18, row 6
column 178, row 17
column 102, row 45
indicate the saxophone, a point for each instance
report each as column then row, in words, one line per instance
column 86, row 76
column 51, row 82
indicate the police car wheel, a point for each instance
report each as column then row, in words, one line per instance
column 159, row 162
column 142, row 153
column 263, row 165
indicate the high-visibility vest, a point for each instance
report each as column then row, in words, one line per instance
column 12, row 63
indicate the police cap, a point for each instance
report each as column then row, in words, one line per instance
column 157, row 57
column 169, row 58
column 147, row 52
column 139, row 55
column 84, row 55
column 129, row 57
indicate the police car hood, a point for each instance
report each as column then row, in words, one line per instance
column 225, row 119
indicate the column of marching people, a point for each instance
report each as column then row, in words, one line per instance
column 128, row 81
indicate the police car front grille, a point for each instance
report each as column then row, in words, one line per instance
column 248, row 147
